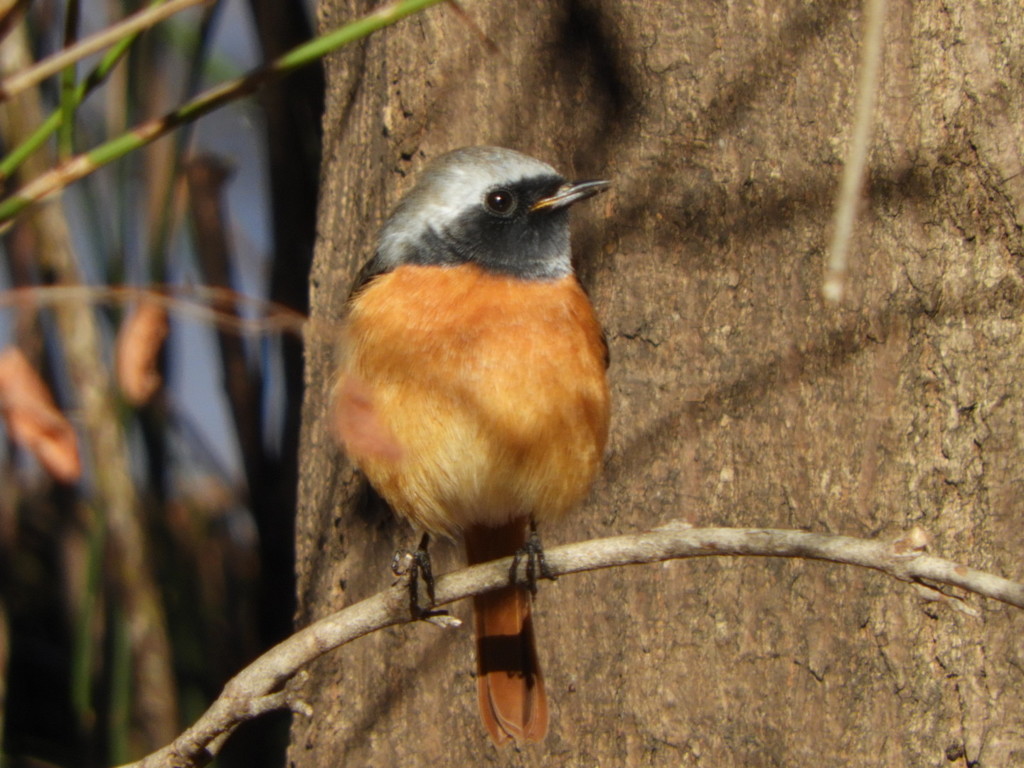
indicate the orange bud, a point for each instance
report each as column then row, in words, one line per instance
column 138, row 348
column 33, row 420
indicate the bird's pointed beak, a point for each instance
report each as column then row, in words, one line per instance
column 570, row 193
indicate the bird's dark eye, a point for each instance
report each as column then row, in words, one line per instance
column 500, row 202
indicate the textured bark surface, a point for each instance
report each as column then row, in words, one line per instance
column 740, row 398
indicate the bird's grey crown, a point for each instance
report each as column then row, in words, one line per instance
column 442, row 220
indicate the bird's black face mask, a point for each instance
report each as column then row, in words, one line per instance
column 503, row 234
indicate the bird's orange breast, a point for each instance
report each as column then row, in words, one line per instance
column 491, row 389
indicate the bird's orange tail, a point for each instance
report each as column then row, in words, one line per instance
column 509, row 683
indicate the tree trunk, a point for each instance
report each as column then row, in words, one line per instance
column 740, row 396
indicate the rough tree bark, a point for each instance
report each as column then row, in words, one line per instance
column 740, row 397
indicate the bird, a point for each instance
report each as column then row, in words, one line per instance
column 472, row 390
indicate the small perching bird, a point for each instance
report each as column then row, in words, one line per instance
column 472, row 389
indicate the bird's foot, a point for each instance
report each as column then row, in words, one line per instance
column 415, row 568
column 536, row 564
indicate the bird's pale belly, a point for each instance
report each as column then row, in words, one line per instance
column 492, row 389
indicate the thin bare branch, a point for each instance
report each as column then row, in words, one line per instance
column 258, row 687
column 856, row 161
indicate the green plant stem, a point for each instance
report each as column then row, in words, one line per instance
column 84, row 647
column 15, row 84
column 68, row 102
column 161, row 233
column 19, row 154
column 307, row 53
column 119, row 708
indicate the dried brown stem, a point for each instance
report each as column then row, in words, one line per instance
column 106, row 37
column 197, row 302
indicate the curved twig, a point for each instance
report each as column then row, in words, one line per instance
column 257, row 688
